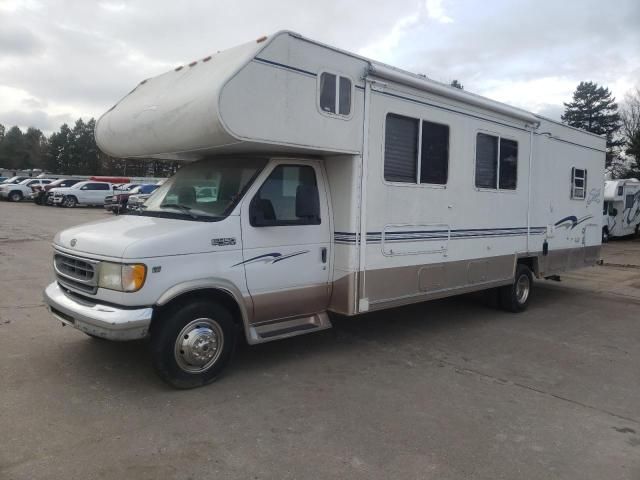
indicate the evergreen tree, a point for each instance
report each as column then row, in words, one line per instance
column 35, row 144
column 1, row 132
column 457, row 84
column 594, row 109
column 13, row 152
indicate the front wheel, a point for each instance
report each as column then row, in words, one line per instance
column 515, row 297
column 191, row 344
column 15, row 196
column 69, row 202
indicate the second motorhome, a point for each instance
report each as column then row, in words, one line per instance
column 621, row 208
column 320, row 182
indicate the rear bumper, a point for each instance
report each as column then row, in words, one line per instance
column 104, row 321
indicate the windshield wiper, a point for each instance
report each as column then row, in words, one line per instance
column 182, row 208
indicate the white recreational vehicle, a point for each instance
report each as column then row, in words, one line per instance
column 322, row 182
column 621, row 208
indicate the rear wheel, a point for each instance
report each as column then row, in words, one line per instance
column 69, row 201
column 515, row 297
column 192, row 343
column 15, row 196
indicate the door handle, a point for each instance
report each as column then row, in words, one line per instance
column 323, row 254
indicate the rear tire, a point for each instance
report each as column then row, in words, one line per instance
column 15, row 196
column 69, row 202
column 192, row 343
column 515, row 297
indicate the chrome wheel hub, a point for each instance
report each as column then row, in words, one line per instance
column 523, row 285
column 198, row 345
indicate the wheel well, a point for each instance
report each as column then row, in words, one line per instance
column 209, row 294
column 531, row 263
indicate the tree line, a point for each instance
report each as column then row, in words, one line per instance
column 72, row 151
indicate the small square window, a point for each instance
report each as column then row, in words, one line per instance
column 335, row 94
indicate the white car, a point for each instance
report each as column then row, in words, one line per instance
column 17, row 192
column 85, row 193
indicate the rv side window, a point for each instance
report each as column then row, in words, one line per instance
column 434, row 155
column 486, row 161
column 620, row 190
column 578, row 183
column 628, row 201
column 335, row 94
column 496, row 162
column 400, row 148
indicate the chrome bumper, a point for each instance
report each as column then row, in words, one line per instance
column 103, row 321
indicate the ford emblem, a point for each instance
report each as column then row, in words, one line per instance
column 73, row 242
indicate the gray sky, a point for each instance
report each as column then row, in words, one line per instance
column 62, row 59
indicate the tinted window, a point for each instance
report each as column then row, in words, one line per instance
column 148, row 188
column 508, row 164
column 486, row 160
column 628, row 201
column 328, row 92
column 400, row 148
column 277, row 200
column 434, row 161
column 620, row 190
column 344, row 103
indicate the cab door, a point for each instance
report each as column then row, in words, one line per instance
column 286, row 241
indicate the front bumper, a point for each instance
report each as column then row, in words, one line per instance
column 104, row 321
column 4, row 193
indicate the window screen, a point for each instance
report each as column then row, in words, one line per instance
column 578, row 183
column 628, row 201
column 328, row 92
column 400, row 148
column 344, row 103
column 486, row 161
column 434, row 161
column 508, row 164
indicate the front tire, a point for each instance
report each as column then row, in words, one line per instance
column 69, row 202
column 15, row 196
column 515, row 297
column 191, row 344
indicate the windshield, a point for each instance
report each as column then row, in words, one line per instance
column 206, row 190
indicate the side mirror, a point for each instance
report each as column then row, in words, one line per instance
column 261, row 213
column 308, row 203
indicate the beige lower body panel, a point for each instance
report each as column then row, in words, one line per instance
column 395, row 286
column 290, row 303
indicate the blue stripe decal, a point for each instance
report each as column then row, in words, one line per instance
column 427, row 235
column 287, row 67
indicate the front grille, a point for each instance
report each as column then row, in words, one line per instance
column 76, row 273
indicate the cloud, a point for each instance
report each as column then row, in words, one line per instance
column 435, row 11
column 64, row 59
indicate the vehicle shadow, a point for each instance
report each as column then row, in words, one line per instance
column 128, row 365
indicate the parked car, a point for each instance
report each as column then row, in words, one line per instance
column 43, row 195
column 85, row 193
column 13, row 180
column 2, row 179
column 132, row 199
column 19, row 191
column 117, row 202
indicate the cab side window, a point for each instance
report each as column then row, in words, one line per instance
column 289, row 196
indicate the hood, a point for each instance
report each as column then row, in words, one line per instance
column 133, row 236
column 60, row 189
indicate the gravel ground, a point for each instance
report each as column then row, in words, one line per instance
column 450, row 389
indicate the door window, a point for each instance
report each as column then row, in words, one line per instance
column 288, row 197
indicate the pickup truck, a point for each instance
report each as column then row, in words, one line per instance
column 84, row 193
column 17, row 192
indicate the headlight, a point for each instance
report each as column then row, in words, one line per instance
column 123, row 278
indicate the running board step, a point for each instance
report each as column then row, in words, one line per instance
column 288, row 327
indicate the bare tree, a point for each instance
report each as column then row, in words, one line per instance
column 630, row 114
